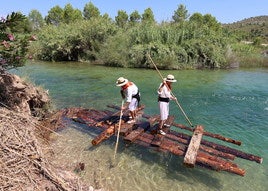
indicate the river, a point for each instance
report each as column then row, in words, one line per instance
column 233, row 103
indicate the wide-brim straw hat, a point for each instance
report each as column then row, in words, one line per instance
column 121, row 81
column 170, row 78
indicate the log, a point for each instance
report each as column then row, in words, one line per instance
column 222, row 148
column 142, row 127
column 126, row 129
column 157, row 140
column 190, row 156
column 209, row 150
column 104, row 135
column 232, row 151
column 131, row 137
column 202, row 159
column 217, row 136
column 218, row 164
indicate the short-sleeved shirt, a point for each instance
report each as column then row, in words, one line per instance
column 164, row 93
column 130, row 91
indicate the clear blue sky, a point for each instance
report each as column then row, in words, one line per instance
column 225, row 11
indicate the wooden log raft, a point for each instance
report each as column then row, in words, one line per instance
column 208, row 154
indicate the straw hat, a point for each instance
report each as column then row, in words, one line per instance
column 170, row 78
column 121, row 81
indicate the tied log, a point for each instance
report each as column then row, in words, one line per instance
column 104, row 135
column 222, row 148
column 185, row 141
column 190, row 156
column 216, row 136
column 202, row 159
column 142, row 127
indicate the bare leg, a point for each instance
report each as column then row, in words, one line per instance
column 133, row 114
column 161, row 124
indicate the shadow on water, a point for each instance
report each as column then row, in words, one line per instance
column 172, row 164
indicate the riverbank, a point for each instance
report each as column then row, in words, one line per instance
column 25, row 152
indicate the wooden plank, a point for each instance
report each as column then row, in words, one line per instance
column 190, row 156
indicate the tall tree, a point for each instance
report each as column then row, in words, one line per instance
column 148, row 16
column 197, row 18
column 90, row 11
column 121, row 18
column 134, row 17
column 36, row 20
column 13, row 46
column 181, row 14
column 70, row 14
column 55, row 16
column 211, row 22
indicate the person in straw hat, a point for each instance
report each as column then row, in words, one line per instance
column 164, row 95
column 130, row 92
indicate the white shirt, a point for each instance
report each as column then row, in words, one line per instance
column 164, row 92
column 130, row 91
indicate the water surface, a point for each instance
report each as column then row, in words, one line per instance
column 233, row 103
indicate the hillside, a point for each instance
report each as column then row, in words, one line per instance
column 251, row 28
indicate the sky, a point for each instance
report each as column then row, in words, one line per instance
column 225, row 11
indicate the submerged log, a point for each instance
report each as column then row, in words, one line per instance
column 190, row 156
column 185, row 141
column 104, row 135
column 202, row 159
column 232, row 151
column 222, row 148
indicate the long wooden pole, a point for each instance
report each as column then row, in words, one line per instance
column 170, row 91
column 118, row 130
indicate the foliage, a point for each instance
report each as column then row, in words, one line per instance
column 90, row 11
column 71, row 42
column 121, row 19
column 250, row 28
column 55, row 16
column 134, row 17
column 13, row 47
column 148, row 16
column 36, row 20
column 181, row 14
column 188, row 41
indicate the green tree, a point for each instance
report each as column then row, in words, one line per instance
column 211, row 22
column 90, row 11
column 70, row 14
column 148, row 16
column 134, row 17
column 36, row 20
column 121, row 18
column 13, row 46
column 55, row 16
column 181, row 14
column 197, row 18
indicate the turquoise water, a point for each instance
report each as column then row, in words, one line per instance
column 233, row 103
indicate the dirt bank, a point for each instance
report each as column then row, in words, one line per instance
column 24, row 148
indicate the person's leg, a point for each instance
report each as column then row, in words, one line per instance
column 132, row 108
column 163, row 106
